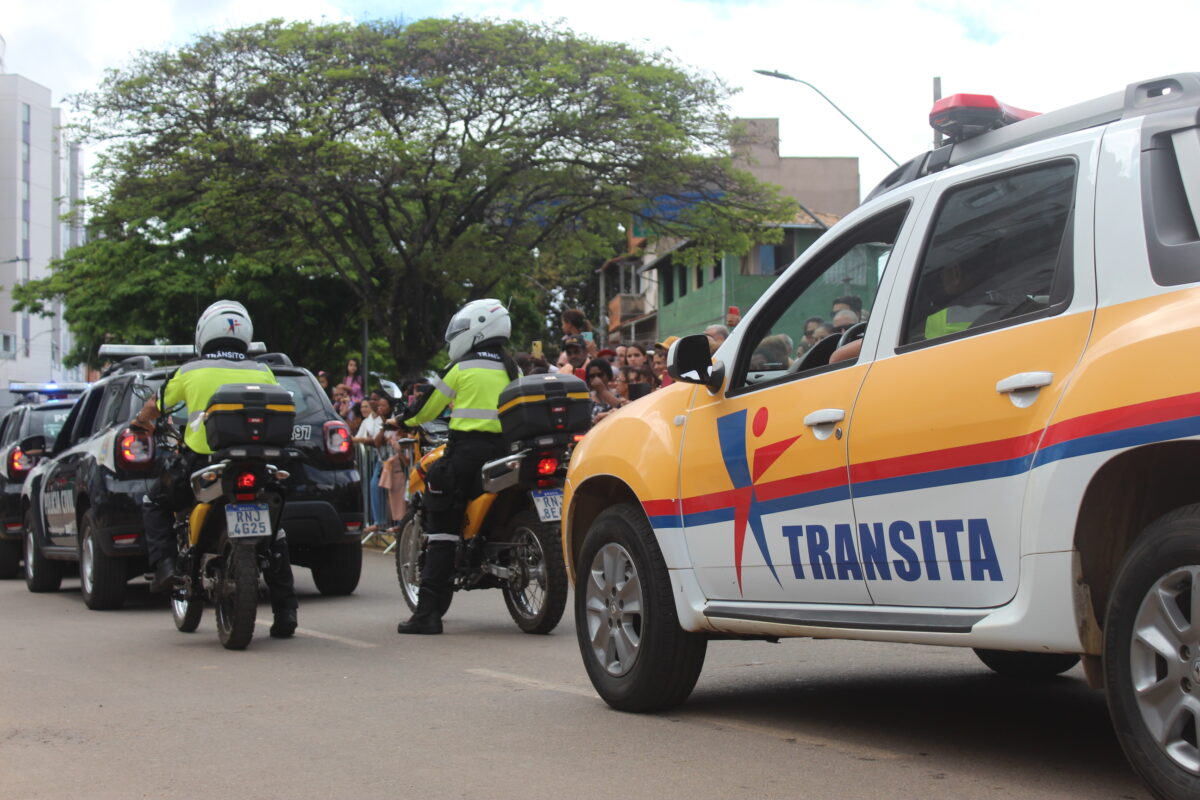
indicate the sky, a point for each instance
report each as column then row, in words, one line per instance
column 876, row 59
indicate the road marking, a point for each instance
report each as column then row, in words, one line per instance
column 327, row 636
column 534, row 683
column 840, row 745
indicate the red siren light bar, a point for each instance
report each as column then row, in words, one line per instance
column 963, row 116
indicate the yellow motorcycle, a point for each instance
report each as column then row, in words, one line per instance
column 512, row 537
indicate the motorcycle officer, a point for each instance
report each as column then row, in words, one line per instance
column 223, row 335
column 479, row 370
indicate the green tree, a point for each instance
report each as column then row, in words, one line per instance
column 423, row 164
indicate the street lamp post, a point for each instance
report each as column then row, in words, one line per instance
column 785, row 77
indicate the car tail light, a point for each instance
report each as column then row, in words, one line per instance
column 135, row 449
column 339, row 444
column 18, row 464
column 125, row 538
column 547, row 466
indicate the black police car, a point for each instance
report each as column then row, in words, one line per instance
column 17, row 424
column 83, row 503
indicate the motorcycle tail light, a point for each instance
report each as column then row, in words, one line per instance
column 18, row 464
column 247, row 480
column 338, row 441
column 547, row 466
column 135, row 448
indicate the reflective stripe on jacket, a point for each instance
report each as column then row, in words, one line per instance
column 473, row 384
column 197, row 381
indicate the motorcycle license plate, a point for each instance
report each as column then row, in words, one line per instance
column 243, row 520
column 549, row 504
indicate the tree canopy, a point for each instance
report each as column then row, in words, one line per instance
column 393, row 170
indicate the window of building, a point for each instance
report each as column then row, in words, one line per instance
column 682, row 271
column 25, row 111
column 999, row 253
column 8, row 344
column 668, row 283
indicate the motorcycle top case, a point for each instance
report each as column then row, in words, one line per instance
column 249, row 413
column 541, row 405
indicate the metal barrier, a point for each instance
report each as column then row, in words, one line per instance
column 365, row 458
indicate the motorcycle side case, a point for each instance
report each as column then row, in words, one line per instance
column 542, row 405
column 249, row 413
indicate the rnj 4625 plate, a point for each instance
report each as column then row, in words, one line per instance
column 548, row 503
column 244, row 520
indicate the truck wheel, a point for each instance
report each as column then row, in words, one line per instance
column 102, row 578
column 1152, row 655
column 1027, row 665
column 336, row 568
column 10, row 559
column 236, row 590
column 41, row 574
column 636, row 655
column 536, row 594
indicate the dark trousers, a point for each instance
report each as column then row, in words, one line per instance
column 169, row 493
column 451, row 487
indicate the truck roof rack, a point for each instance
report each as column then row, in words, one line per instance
column 1170, row 92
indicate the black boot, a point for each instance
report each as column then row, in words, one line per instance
column 428, row 619
column 285, row 623
column 164, row 575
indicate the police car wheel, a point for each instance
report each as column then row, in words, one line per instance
column 1026, row 665
column 636, row 655
column 102, row 578
column 1152, row 655
column 41, row 574
column 337, row 568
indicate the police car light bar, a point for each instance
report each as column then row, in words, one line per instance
column 47, row 388
column 963, row 116
column 164, row 350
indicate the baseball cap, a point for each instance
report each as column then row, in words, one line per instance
column 666, row 343
column 574, row 340
column 607, row 352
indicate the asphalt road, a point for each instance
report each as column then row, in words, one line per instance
column 120, row 705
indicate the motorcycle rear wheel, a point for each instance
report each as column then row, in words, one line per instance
column 537, row 594
column 236, row 579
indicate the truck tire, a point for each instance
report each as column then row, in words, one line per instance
column 1152, row 655
column 102, row 578
column 336, row 568
column 636, row 655
column 41, row 574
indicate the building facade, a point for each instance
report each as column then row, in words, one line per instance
column 40, row 182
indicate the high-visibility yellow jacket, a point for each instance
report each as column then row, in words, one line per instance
column 472, row 388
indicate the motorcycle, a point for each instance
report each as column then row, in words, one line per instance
column 511, row 533
column 224, row 537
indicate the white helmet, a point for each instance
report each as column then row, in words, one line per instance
column 476, row 322
column 224, row 319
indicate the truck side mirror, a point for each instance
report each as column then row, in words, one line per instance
column 690, row 361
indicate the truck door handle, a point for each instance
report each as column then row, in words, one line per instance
column 1024, row 387
column 824, row 416
column 1024, row 381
